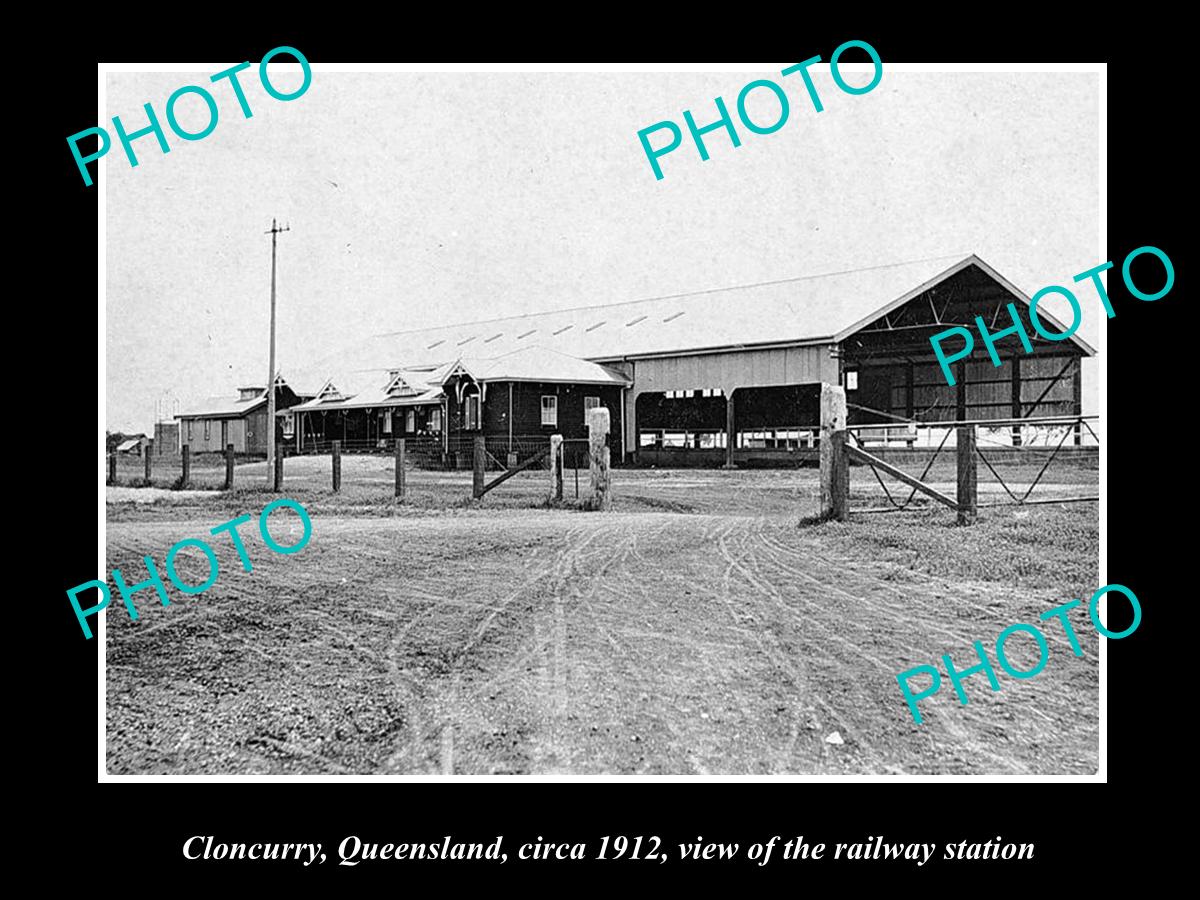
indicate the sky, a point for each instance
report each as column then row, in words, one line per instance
column 418, row 199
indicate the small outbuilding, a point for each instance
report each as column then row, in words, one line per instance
column 213, row 424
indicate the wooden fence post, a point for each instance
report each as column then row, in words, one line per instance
column 967, row 482
column 480, row 467
column 556, row 467
column 841, row 475
column 277, row 484
column 147, row 456
column 835, row 467
column 400, row 486
column 228, row 466
column 598, row 457
column 112, row 468
column 187, row 465
column 337, row 466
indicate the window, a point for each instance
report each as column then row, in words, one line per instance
column 387, row 421
column 589, row 403
column 471, row 411
column 207, row 429
column 549, row 409
column 852, row 380
column 410, row 421
column 435, row 419
column 288, row 426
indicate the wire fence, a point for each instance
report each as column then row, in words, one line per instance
column 1012, row 462
column 431, row 461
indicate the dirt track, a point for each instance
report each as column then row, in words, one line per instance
column 638, row 641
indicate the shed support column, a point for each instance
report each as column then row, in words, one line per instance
column 909, row 378
column 730, row 433
column 1077, row 399
column 1016, row 399
column 960, row 391
column 623, row 436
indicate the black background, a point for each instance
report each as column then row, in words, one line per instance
column 130, row 834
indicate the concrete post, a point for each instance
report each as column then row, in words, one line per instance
column 337, row 466
column 148, row 456
column 228, row 466
column 598, row 457
column 112, row 468
column 277, row 481
column 835, row 471
column 556, row 467
column 186, row 452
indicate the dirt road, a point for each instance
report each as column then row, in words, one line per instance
column 552, row 641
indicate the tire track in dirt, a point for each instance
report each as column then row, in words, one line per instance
column 548, row 632
column 954, row 726
column 757, row 537
column 799, row 669
column 418, row 729
column 914, row 609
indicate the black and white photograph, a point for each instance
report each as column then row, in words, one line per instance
column 604, row 421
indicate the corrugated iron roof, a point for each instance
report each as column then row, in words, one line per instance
column 541, row 364
column 371, row 399
column 565, row 345
column 807, row 309
column 220, row 407
column 810, row 308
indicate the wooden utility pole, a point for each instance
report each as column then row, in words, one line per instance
column 274, row 232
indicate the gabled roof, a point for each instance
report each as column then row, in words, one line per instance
column 808, row 309
column 1043, row 314
column 222, row 407
column 374, row 388
column 815, row 309
column 540, row 364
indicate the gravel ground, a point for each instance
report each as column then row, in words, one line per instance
column 694, row 629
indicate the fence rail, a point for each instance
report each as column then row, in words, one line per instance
column 966, row 465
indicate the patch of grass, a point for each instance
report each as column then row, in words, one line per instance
column 818, row 519
column 1050, row 547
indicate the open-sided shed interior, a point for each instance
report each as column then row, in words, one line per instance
column 891, row 373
